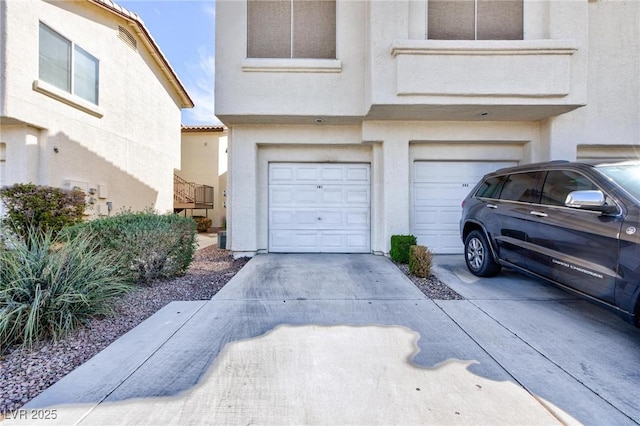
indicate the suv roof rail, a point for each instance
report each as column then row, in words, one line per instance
column 540, row 164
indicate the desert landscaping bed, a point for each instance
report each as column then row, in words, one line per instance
column 25, row 374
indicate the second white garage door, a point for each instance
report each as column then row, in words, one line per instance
column 438, row 190
column 319, row 208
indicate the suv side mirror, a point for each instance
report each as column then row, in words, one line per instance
column 590, row 200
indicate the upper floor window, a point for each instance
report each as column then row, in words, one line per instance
column 67, row 66
column 291, row 29
column 475, row 19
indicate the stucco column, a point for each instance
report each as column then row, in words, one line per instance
column 558, row 138
column 242, row 195
column 395, row 188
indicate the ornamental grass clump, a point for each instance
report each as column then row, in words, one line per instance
column 152, row 246
column 49, row 287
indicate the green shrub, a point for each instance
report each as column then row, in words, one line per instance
column 420, row 260
column 153, row 246
column 44, row 208
column 49, row 287
column 400, row 247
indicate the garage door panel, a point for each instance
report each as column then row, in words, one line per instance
column 358, row 173
column 337, row 219
column 332, row 195
column 311, row 173
column 287, row 195
column 319, row 207
column 434, row 195
column 344, row 195
column 358, row 220
column 307, row 174
column 352, row 242
column 332, row 174
column 287, row 241
column 281, row 218
column 294, row 241
column 425, row 218
column 278, row 173
column 326, row 195
column 438, row 190
column 358, row 196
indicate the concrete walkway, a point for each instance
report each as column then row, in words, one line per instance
column 348, row 339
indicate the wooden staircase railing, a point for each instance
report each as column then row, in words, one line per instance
column 183, row 191
column 191, row 195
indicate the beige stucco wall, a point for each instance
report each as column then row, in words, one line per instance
column 129, row 143
column 204, row 161
column 576, row 93
column 283, row 87
column 391, row 147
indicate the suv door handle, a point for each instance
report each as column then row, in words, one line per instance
column 539, row 214
column 492, row 206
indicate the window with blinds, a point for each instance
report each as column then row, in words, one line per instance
column 291, row 29
column 475, row 19
column 67, row 66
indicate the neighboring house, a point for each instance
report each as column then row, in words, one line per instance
column 88, row 100
column 351, row 121
column 201, row 182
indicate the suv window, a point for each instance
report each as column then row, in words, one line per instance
column 559, row 183
column 490, row 188
column 521, row 187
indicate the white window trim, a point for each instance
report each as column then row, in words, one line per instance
column 67, row 98
column 292, row 65
column 75, row 100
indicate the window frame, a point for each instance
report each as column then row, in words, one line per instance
column 71, row 72
column 476, row 19
column 292, row 47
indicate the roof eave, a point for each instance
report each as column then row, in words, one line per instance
column 152, row 47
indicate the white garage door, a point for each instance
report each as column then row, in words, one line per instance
column 438, row 190
column 319, row 208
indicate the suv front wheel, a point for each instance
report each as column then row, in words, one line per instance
column 477, row 254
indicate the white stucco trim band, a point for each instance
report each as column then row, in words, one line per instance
column 67, row 98
column 492, row 68
column 292, row 65
column 483, row 47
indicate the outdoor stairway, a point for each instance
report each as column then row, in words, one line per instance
column 191, row 195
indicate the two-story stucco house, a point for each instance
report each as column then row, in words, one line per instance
column 351, row 121
column 88, row 100
column 203, row 173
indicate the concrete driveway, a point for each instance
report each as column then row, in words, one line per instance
column 348, row 339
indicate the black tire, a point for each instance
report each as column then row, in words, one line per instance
column 478, row 255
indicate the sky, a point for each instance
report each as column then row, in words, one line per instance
column 185, row 32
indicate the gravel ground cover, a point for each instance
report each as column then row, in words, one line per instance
column 25, row 374
column 431, row 286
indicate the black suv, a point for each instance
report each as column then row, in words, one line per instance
column 575, row 224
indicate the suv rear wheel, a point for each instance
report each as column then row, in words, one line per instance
column 477, row 254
